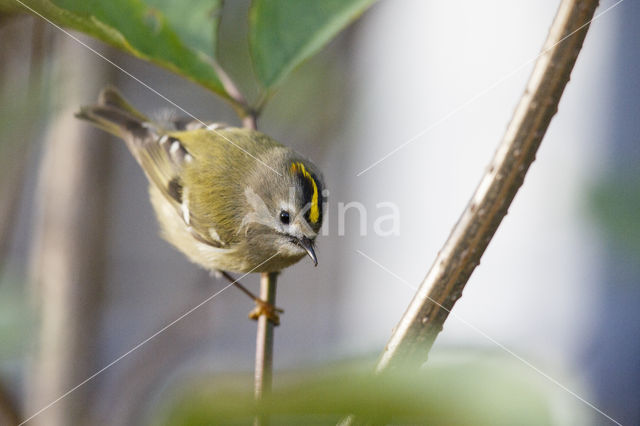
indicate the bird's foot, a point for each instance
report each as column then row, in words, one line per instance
column 262, row 308
column 266, row 309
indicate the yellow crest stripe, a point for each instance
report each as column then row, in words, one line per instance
column 314, row 212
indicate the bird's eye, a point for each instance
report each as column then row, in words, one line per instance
column 284, row 217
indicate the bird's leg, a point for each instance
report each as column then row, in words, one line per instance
column 262, row 307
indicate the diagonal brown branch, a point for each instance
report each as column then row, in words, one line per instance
column 443, row 285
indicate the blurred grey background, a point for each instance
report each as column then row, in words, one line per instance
column 559, row 284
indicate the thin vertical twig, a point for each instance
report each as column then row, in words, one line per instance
column 264, row 346
column 268, row 281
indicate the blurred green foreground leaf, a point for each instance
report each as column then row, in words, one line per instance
column 479, row 390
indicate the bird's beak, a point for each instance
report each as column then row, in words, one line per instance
column 307, row 244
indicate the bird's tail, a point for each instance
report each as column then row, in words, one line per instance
column 147, row 142
column 115, row 115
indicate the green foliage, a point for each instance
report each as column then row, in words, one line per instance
column 283, row 33
column 488, row 391
column 616, row 204
column 195, row 21
column 142, row 30
column 182, row 35
column 9, row 7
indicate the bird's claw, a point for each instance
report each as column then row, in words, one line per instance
column 266, row 309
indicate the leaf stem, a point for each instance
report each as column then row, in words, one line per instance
column 442, row 287
column 229, row 85
column 250, row 121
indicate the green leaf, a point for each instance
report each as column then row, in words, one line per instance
column 10, row 7
column 283, row 33
column 481, row 389
column 143, row 30
column 195, row 21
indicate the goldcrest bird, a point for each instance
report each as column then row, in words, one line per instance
column 230, row 199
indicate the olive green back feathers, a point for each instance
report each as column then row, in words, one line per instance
column 220, row 193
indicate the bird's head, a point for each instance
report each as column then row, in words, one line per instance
column 288, row 204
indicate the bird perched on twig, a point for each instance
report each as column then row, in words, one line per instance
column 230, row 199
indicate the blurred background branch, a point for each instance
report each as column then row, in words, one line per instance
column 21, row 114
column 68, row 247
column 20, row 122
column 9, row 413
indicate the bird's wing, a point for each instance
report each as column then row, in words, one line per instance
column 161, row 156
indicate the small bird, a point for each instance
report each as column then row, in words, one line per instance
column 230, row 199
